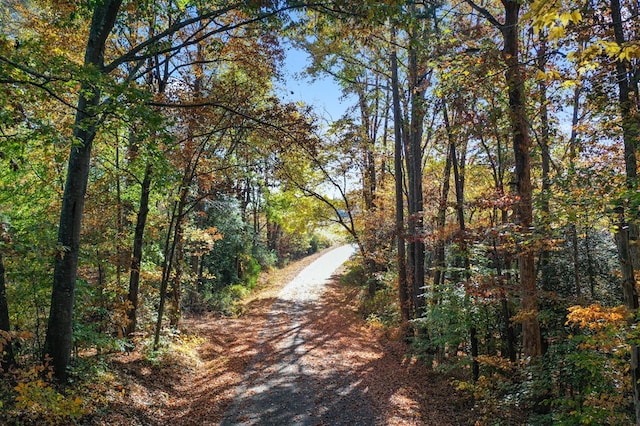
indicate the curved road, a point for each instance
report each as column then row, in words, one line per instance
column 282, row 386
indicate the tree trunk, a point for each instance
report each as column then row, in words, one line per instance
column 58, row 342
column 441, row 219
column 501, row 262
column 531, row 337
column 573, row 229
column 369, row 180
column 414, row 170
column 544, row 143
column 176, row 282
column 401, row 258
column 171, row 245
column 458, row 178
column 627, row 233
column 138, row 239
column 590, row 272
column 630, row 293
column 167, row 264
column 5, row 325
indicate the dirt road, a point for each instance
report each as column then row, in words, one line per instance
column 285, row 384
column 299, row 355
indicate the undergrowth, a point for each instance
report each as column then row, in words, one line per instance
column 29, row 395
column 381, row 310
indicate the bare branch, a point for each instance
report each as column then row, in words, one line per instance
column 484, row 12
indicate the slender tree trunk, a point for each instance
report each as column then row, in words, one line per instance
column 630, row 128
column 501, row 262
column 573, row 151
column 590, row 273
column 575, row 254
column 5, row 325
column 176, row 282
column 58, row 342
column 167, row 265
column 531, row 337
column 369, row 168
column 458, row 178
column 138, row 239
column 441, row 221
column 171, row 245
column 508, row 331
column 120, row 258
column 514, row 76
column 630, row 293
column 627, row 232
column 544, row 142
column 401, row 258
column 414, row 169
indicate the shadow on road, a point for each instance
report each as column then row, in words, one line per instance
column 302, row 374
column 310, row 362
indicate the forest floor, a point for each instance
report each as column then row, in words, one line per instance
column 284, row 362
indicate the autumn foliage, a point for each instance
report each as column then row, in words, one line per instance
column 153, row 165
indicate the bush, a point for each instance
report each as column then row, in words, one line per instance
column 34, row 400
column 226, row 300
column 382, row 308
column 355, row 274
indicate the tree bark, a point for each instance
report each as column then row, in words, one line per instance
column 171, row 245
column 627, row 233
column 441, row 220
column 176, row 282
column 630, row 293
column 514, row 76
column 573, row 229
column 458, row 178
column 167, row 265
column 531, row 337
column 414, row 170
column 58, row 342
column 138, row 239
column 401, row 257
column 5, row 325
column 544, row 142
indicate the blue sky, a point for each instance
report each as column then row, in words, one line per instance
column 323, row 94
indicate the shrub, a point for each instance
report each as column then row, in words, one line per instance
column 382, row 308
column 34, row 400
column 226, row 300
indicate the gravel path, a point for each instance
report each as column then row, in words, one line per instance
column 284, row 384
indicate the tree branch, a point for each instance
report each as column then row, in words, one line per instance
column 484, row 12
column 133, row 54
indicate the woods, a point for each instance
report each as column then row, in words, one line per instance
column 153, row 163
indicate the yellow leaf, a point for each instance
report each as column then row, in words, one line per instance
column 553, row 75
column 624, row 55
column 576, row 16
column 611, row 48
column 549, row 19
column 556, row 33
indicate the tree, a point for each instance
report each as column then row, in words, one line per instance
column 403, row 284
column 59, row 331
column 627, row 232
column 515, row 79
column 6, row 350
